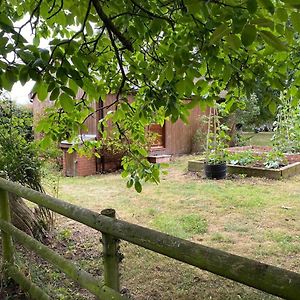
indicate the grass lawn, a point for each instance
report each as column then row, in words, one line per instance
column 256, row 218
column 258, row 139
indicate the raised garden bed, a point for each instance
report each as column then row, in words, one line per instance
column 283, row 172
column 261, row 150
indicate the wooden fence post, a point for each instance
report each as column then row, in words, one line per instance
column 7, row 242
column 111, row 256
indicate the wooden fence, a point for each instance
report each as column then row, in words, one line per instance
column 267, row 278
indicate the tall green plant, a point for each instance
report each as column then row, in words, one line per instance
column 217, row 138
column 286, row 136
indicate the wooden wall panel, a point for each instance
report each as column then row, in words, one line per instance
column 179, row 136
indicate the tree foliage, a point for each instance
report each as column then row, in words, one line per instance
column 18, row 155
column 160, row 50
column 20, row 162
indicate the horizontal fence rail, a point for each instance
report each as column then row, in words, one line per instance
column 83, row 278
column 273, row 280
column 35, row 292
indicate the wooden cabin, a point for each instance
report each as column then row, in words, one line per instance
column 172, row 139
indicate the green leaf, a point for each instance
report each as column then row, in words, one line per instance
column 238, row 24
column 282, row 14
column 272, row 108
column 295, row 18
column 268, row 4
column 45, row 142
column 156, row 25
column 6, row 84
column 66, row 102
column 203, row 105
column 263, row 22
column 248, row 35
column 36, row 40
column 193, row 6
column 180, row 87
column 38, row 63
column 73, row 86
column 45, row 55
column 227, row 73
column 137, row 186
column 34, row 75
column 169, row 72
column 76, row 77
column 68, row 91
column 55, row 93
column 23, row 75
column 295, row 101
column 78, row 62
column 89, row 28
column 6, row 23
column 61, row 74
column 252, row 6
column 11, row 75
column 195, row 101
column 143, row 152
column 220, row 32
column 189, row 85
column 3, row 41
column 234, row 41
column 280, row 29
column 51, row 86
column 273, row 41
column 293, row 3
column 130, row 183
column 42, row 90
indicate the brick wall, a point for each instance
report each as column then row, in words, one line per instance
column 64, row 162
column 85, row 166
column 75, row 165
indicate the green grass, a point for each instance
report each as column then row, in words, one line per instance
column 258, row 139
column 185, row 226
column 221, row 238
column 243, row 216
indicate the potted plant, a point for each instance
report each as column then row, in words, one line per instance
column 216, row 152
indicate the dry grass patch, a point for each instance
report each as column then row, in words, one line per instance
column 255, row 218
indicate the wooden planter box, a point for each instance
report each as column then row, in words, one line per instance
column 284, row 172
column 263, row 150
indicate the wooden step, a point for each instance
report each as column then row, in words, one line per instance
column 161, row 158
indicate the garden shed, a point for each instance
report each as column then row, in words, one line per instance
column 173, row 139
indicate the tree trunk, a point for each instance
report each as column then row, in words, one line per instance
column 35, row 222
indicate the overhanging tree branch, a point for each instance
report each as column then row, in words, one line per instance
column 110, row 26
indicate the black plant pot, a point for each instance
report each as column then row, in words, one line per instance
column 215, row 171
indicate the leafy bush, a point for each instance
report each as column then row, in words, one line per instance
column 18, row 153
column 19, row 160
